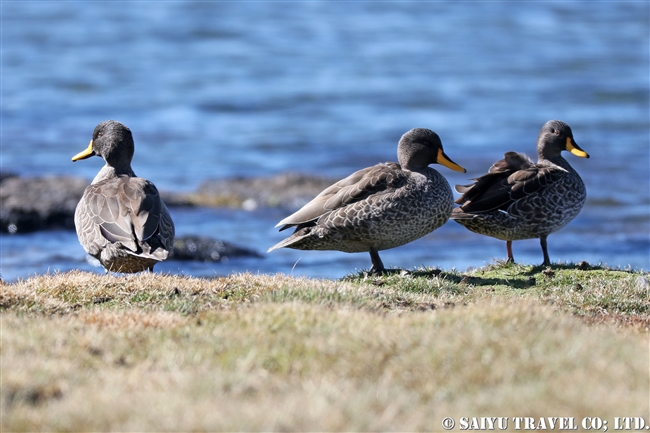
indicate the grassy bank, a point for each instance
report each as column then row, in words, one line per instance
column 248, row 352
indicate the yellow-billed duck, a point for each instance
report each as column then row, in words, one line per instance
column 121, row 219
column 379, row 207
column 518, row 199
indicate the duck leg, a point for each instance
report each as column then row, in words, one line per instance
column 542, row 242
column 377, row 265
column 511, row 259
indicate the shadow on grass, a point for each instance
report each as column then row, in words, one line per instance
column 500, row 273
column 516, row 282
column 581, row 266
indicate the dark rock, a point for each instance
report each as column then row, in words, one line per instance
column 286, row 190
column 42, row 203
column 30, row 204
column 205, row 249
column 6, row 175
column 177, row 199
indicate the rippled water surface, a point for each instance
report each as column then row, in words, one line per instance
column 223, row 89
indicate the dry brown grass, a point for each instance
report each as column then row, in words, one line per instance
column 82, row 351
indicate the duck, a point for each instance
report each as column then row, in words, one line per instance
column 121, row 219
column 518, row 199
column 379, row 207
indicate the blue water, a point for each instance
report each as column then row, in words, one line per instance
column 222, row 89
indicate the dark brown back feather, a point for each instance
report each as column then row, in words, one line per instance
column 509, row 179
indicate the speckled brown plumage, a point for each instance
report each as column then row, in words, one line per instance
column 519, row 199
column 379, row 207
column 121, row 219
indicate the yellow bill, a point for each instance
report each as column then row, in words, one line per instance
column 572, row 147
column 87, row 153
column 444, row 160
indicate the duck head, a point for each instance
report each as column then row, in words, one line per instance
column 555, row 137
column 112, row 141
column 420, row 147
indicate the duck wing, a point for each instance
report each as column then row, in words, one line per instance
column 129, row 210
column 509, row 179
column 376, row 180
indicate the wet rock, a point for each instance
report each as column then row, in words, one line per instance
column 30, row 204
column 43, row 203
column 205, row 249
column 177, row 199
column 6, row 175
column 39, row 203
column 286, row 190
